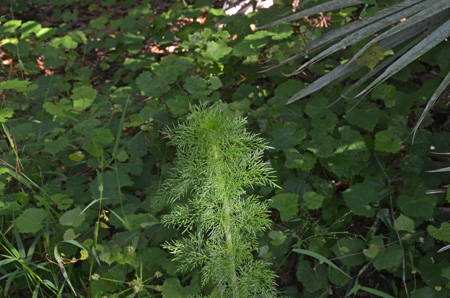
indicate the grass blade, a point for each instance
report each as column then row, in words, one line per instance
column 20, row 246
column 63, row 270
column 320, row 258
column 120, row 127
column 373, row 291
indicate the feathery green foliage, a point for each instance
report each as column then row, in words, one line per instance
column 217, row 159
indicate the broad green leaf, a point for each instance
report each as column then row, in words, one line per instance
column 16, row 85
column 286, row 204
column 60, row 109
column 277, row 237
column 245, row 91
column 404, row 223
column 286, row 90
column 337, row 278
column 179, row 105
column 78, row 36
column 313, row 279
column 281, row 32
column 62, row 201
column 194, row 85
column 9, row 28
column 312, row 200
column 446, row 272
column 295, row 160
column 372, row 251
column 322, row 145
column 167, row 74
column 144, row 82
column 55, row 146
column 76, row 156
column 83, row 97
column 388, row 258
column 215, row 83
column 325, row 123
column 386, row 93
column 72, row 218
column 412, row 164
column 384, row 141
column 216, row 51
column 69, row 234
column 103, row 136
column 131, row 40
column 251, row 45
column 430, row 270
column 316, row 107
column 22, row 49
column 64, row 42
column 443, row 233
column 22, row 198
column 30, row 221
column 351, row 140
column 364, row 115
column 110, row 256
column 421, row 206
column 172, row 288
column 177, row 64
column 342, row 165
column 359, row 198
column 100, row 22
column 111, row 183
column 429, row 291
column 122, row 156
column 5, row 113
column 287, row 136
column 53, row 57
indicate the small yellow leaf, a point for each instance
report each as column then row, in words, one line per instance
column 84, row 254
column 371, row 56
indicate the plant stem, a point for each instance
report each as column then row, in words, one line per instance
column 221, row 185
column 234, row 284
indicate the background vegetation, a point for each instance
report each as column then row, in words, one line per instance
column 89, row 85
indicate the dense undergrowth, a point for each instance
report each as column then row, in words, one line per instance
column 87, row 89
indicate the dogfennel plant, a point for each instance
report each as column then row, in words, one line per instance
column 216, row 161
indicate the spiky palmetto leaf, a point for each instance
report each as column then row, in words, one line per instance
column 425, row 24
column 441, row 170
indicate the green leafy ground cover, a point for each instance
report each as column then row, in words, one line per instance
column 85, row 96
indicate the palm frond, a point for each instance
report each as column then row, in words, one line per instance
column 427, row 22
